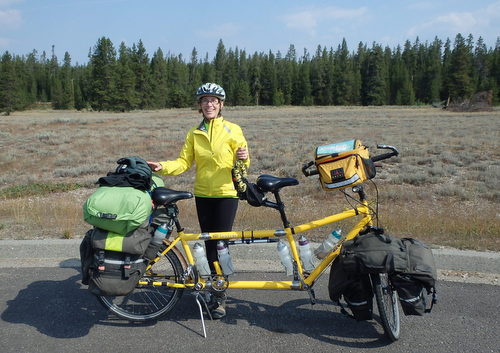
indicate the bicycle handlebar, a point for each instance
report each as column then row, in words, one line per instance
column 394, row 152
column 307, row 172
column 380, row 157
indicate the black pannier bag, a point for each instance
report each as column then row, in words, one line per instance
column 86, row 256
column 107, row 272
column 409, row 263
column 115, row 273
column 356, row 289
column 374, row 252
column 416, row 286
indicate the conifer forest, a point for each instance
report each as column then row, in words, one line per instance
column 126, row 78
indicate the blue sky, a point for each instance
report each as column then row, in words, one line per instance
column 256, row 25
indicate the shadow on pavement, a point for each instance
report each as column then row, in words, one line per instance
column 60, row 309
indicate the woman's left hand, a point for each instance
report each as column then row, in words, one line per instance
column 242, row 153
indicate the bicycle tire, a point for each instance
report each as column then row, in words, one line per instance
column 387, row 304
column 148, row 303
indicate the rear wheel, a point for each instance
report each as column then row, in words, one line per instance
column 387, row 303
column 148, row 302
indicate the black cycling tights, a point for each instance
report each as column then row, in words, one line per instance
column 215, row 215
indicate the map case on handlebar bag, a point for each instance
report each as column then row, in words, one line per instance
column 343, row 164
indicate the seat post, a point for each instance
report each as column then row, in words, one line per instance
column 281, row 209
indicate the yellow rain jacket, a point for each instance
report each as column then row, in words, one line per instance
column 213, row 149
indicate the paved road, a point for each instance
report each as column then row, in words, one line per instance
column 46, row 310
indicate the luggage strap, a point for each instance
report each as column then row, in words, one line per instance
column 434, row 299
column 343, row 311
column 100, row 260
column 126, row 267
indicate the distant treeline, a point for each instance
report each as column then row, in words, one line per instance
column 417, row 73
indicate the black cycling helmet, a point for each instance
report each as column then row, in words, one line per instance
column 211, row 90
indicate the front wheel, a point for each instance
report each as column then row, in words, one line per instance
column 387, row 303
column 148, row 302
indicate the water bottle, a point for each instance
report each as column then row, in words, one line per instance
column 161, row 232
column 201, row 260
column 328, row 244
column 306, row 255
column 224, row 258
column 285, row 257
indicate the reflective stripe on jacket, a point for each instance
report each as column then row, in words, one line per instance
column 214, row 152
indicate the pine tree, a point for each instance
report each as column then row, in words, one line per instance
column 374, row 78
column 159, row 80
column 401, row 88
column 230, row 74
column 126, row 97
column 103, row 75
column 481, row 67
column 195, row 72
column 220, row 63
column 207, row 71
column 9, row 93
column 178, row 78
column 461, row 85
column 342, row 85
column 241, row 93
column 446, row 69
column 65, row 96
column 254, row 77
column 140, row 68
column 495, row 72
column 433, row 72
column 268, row 79
column 303, row 89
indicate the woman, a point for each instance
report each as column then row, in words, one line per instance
column 214, row 145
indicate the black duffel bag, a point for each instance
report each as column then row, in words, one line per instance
column 374, row 252
column 356, row 289
column 416, row 285
column 115, row 273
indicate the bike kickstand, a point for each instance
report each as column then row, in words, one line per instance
column 197, row 298
column 312, row 296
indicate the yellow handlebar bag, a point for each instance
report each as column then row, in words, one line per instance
column 343, row 164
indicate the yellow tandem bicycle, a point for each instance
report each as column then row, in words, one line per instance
column 174, row 270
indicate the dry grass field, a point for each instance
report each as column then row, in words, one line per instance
column 444, row 188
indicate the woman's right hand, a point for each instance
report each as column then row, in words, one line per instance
column 155, row 166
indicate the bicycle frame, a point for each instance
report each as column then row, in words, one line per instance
column 301, row 281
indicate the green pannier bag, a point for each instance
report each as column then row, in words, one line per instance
column 117, row 209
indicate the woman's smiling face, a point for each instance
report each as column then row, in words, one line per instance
column 211, row 107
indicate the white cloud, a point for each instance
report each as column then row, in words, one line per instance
column 10, row 19
column 461, row 22
column 309, row 20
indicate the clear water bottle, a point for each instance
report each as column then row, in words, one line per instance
column 225, row 261
column 201, row 260
column 306, row 255
column 328, row 244
column 285, row 257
